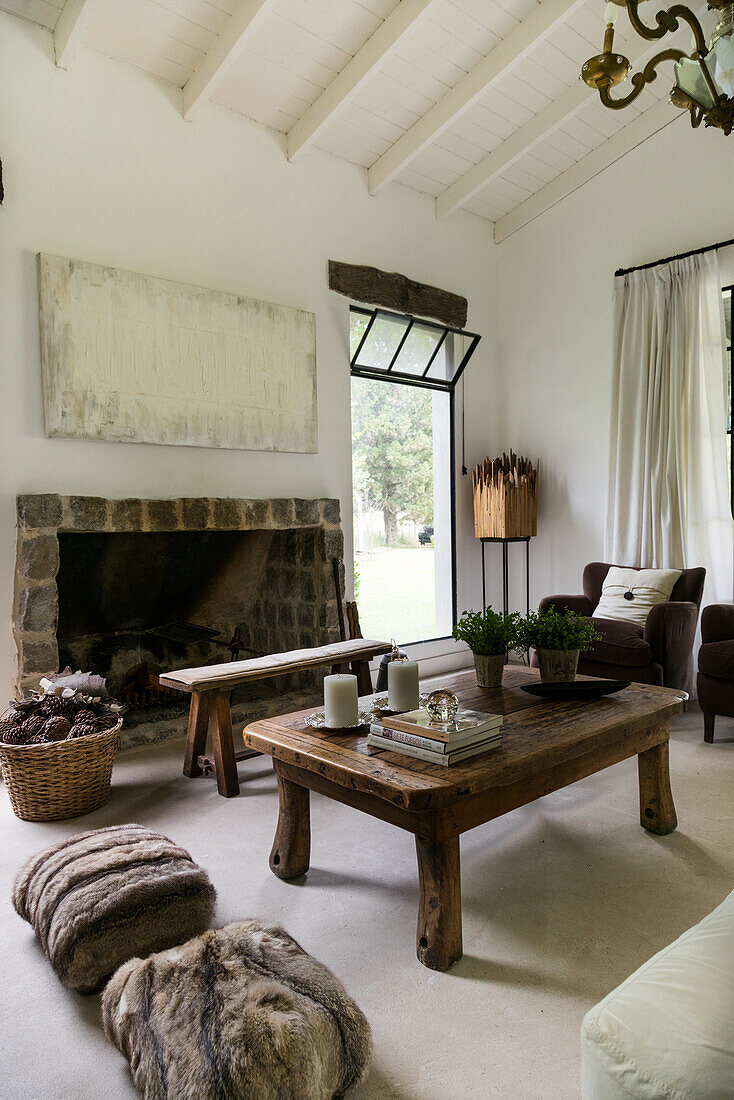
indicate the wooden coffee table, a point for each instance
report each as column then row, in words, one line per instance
column 545, row 746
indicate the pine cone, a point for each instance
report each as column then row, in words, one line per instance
column 84, row 715
column 56, row 728
column 12, row 733
column 82, row 729
column 54, row 705
column 34, row 725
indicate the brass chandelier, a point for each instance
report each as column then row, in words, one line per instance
column 704, row 78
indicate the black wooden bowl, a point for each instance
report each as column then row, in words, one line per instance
column 576, row 689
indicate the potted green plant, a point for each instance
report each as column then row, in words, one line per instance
column 557, row 638
column 489, row 635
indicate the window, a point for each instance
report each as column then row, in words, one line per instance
column 404, row 371
column 727, row 317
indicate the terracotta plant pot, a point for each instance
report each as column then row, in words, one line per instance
column 489, row 669
column 557, row 665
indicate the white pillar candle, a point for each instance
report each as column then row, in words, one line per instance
column 340, row 701
column 402, row 685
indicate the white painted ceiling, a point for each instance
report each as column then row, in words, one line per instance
column 437, row 88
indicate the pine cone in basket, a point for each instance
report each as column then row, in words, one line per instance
column 82, row 729
column 54, row 705
column 12, row 733
column 34, row 725
column 106, row 721
column 56, row 728
column 86, row 714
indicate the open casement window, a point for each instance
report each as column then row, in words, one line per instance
column 404, row 373
column 728, row 290
column 398, row 348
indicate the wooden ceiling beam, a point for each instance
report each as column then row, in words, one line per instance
column 226, row 49
column 69, row 30
column 541, row 22
column 524, row 140
column 629, row 137
column 346, row 85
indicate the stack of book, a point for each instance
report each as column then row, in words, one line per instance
column 445, row 743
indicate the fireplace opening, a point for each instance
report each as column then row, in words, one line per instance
column 134, row 603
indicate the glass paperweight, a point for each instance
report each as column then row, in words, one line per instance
column 442, row 705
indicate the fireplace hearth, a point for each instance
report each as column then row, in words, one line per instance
column 127, row 587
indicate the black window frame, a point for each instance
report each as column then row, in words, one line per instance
column 447, row 386
column 388, row 374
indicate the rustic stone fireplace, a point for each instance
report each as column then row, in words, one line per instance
column 127, row 587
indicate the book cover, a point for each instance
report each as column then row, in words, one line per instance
column 419, row 722
column 461, row 740
column 444, row 759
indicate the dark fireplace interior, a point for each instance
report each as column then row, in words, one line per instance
column 131, row 604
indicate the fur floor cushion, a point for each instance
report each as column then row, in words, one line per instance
column 241, row 1013
column 103, row 897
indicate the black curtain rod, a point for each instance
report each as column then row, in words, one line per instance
column 669, row 259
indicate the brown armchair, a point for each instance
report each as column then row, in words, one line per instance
column 716, row 665
column 659, row 653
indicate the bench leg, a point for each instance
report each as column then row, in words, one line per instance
column 438, row 937
column 291, row 852
column 657, row 809
column 709, row 721
column 225, row 763
column 196, row 734
column 361, row 670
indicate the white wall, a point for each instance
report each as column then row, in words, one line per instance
column 100, row 166
column 671, row 194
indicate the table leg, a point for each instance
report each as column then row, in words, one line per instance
column 196, row 735
column 225, row 762
column 291, row 850
column 438, row 938
column 657, row 811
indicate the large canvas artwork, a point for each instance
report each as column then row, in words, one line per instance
column 132, row 358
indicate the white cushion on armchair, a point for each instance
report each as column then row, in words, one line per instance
column 630, row 594
column 667, row 1032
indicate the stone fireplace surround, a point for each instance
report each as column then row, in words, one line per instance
column 305, row 613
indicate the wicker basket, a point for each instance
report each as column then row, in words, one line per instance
column 61, row 779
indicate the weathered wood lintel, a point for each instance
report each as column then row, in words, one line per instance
column 395, row 291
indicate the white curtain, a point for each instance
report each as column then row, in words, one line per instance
column 668, row 503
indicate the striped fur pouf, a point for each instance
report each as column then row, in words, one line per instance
column 241, row 1012
column 103, row 897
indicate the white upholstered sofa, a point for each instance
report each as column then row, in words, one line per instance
column 667, row 1032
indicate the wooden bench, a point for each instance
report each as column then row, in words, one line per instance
column 210, row 685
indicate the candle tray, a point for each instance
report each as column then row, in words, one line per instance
column 380, row 709
column 318, row 722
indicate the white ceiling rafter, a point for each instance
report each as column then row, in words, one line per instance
column 345, row 86
column 565, row 107
column 534, row 29
column 624, row 141
column 226, row 49
column 70, row 29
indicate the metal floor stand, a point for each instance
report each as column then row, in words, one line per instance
column 506, row 571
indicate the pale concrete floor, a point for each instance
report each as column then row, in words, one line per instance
column 562, row 899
